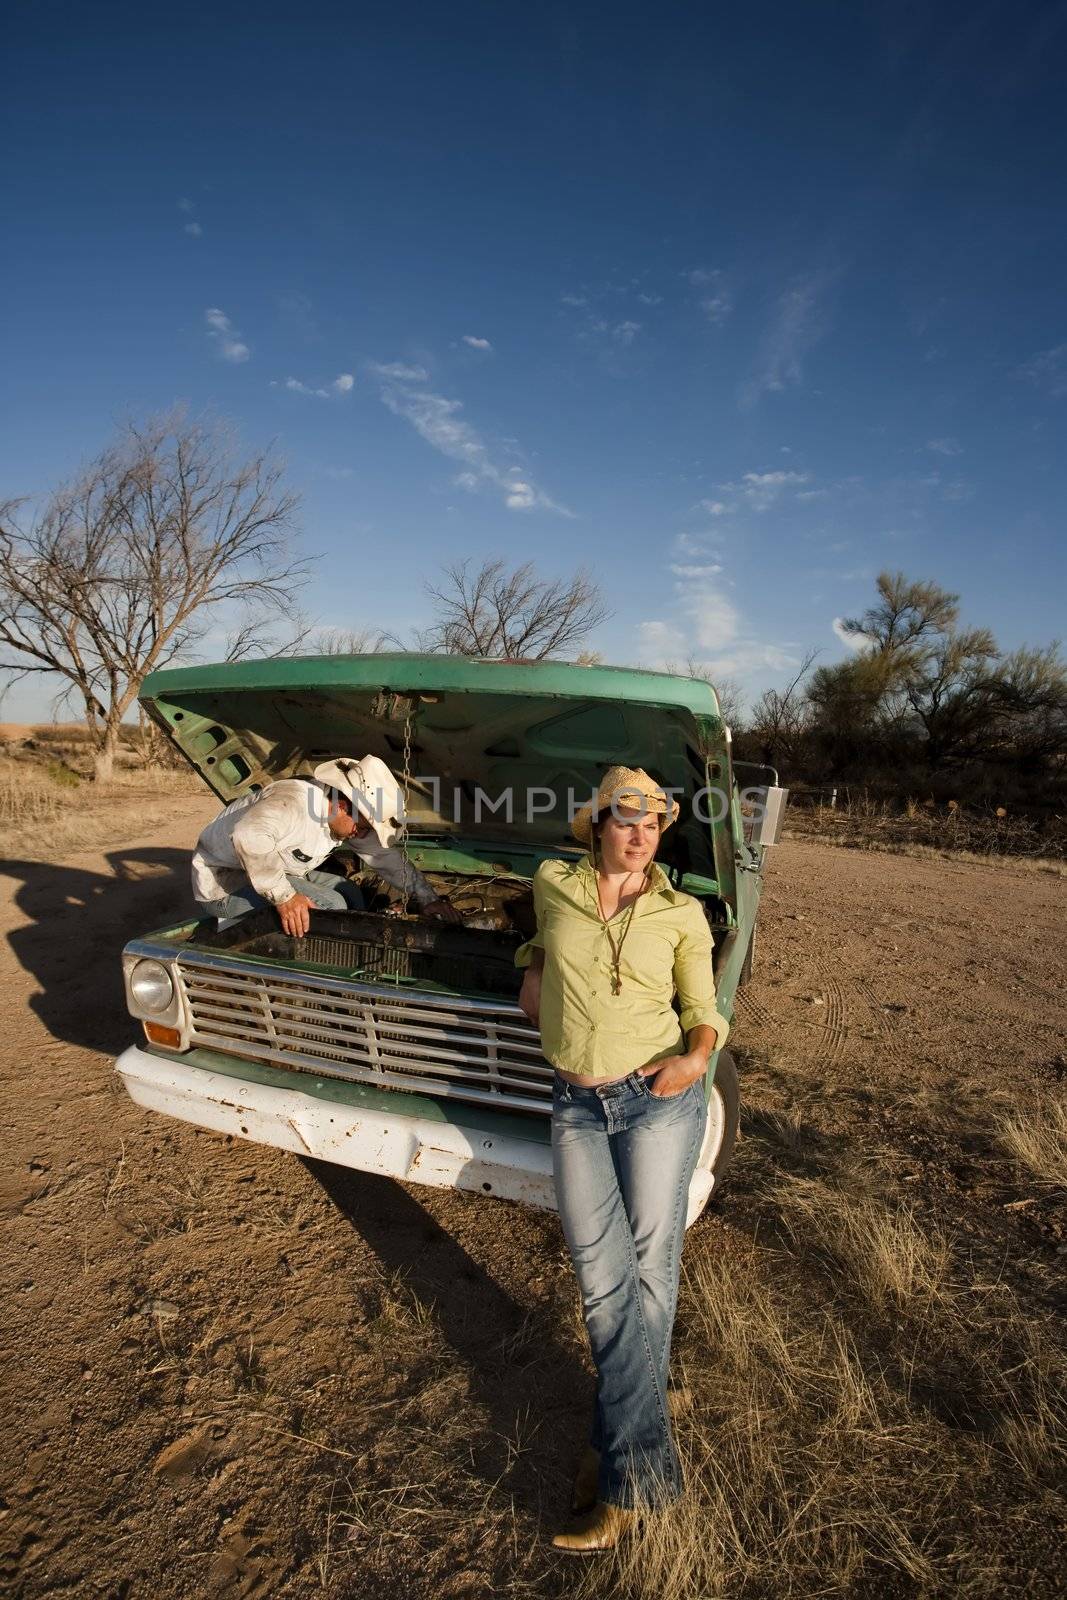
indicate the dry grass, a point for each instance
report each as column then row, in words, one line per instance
column 817, row 1467
column 864, row 1415
column 867, row 824
column 791, row 1467
column 1037, row 1140
column 28, row 797
column 887, row 1257
column 47, row 801
column 866, row 1428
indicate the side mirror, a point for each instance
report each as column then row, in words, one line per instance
column 763, row 813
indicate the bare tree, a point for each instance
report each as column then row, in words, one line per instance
column 728, row 691
column 353, row 641
column 781, row 717
column 512, row 614
column 126, row 567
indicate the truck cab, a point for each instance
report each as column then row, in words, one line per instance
column 382, row 1041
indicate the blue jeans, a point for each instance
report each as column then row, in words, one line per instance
column 323, row 889
column 622, row 1160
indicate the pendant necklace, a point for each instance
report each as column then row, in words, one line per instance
column 616, row 949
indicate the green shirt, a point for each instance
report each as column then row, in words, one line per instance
column 585, row 1028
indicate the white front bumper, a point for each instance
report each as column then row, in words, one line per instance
column 415, row 1149
column 418, row 1150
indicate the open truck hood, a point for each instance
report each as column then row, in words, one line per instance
column 541, row 729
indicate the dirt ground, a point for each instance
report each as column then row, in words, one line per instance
column 225, row 1369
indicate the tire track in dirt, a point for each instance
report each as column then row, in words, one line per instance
column 754, row 1011
column 885, row 1030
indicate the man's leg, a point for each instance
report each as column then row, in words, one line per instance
column 329, row 892
column 232, row 905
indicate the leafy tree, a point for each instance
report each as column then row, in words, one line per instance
column 1029, row 705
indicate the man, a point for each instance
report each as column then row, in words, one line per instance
column 265, row 849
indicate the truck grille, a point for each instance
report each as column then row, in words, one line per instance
column 469, row 1049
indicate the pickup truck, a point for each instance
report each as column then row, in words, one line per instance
column 386, row 1042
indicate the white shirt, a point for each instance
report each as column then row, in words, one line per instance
column 261, row 838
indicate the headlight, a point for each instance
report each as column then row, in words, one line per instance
column 151, row 986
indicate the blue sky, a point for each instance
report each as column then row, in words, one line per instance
column 734, row 306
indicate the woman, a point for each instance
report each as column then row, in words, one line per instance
column 614, row 944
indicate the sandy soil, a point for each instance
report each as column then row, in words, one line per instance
column 199, row 1359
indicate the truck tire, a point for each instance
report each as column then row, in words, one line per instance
column 724, row 1115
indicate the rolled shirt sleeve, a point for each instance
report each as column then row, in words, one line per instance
column 693, row 978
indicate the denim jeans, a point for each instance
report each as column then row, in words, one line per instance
column 623, row 1158
column 323, row 889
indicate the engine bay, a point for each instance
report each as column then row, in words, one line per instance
column 499, row 903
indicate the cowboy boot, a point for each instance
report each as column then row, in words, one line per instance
column 585, row 1481
column 598, row 1529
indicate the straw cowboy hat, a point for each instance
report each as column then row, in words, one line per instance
column 371, row 788
column 624, row 786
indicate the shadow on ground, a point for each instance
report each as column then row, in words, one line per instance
column 519, row 1370
column 79, row 922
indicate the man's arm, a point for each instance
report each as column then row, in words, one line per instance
column 391, row 864
column 258, row 840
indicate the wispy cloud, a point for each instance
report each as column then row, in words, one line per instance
column 397, row 371
column 795, row 328
column 714, row 297
column 757, row 490
column 954, row 489
column 693, row 544
column 1048, row 369
column 660, row 642
column 957, row 490
column 341, row 385
column 192, row 228
column 608, row 325
column 856, row 642
column 944, row 447
column 476, row 343
column 228, row 341
column 704, row 625
column 687, row 569
column 437, row 419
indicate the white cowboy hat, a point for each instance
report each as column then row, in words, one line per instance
column 624, row 786
column 371, row 788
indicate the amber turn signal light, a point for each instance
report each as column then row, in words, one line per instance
column 156, row 1033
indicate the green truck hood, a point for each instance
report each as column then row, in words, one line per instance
column 541, row 730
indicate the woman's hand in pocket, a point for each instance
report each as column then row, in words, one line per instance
column 672, row 1075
